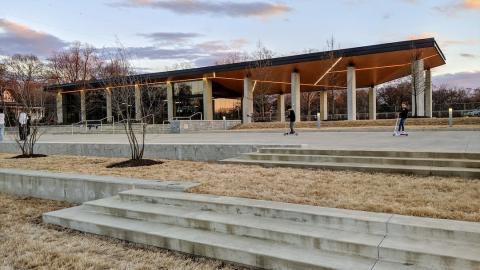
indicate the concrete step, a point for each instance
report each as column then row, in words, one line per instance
column 434, row 254
column 277, row 230
column 383, row 168
column 406, row 250
column 372, row 153
column 243, row 250
column 338, row 219
column 462, row 163
column 195, row 224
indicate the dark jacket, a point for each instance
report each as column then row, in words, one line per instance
column 404, row 113
column 291, row 116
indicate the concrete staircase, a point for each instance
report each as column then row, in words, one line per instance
column 465, row 165
column 274, row 235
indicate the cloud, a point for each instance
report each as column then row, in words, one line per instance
column 446, row 42
column 468, row 55
column 201, row 54
column 18, row 38
column 454, row 8
column 170, row 38
column 460, row 79
column 227, row 8
column 464, row 42
column 421, row 35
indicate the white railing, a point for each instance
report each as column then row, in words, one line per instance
column 92, row 123
column 189, row 117
column 141, row 120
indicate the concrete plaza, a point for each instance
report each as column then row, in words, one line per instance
column 436, row 141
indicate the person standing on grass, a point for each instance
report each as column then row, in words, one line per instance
column 22, row 126
column 2, row 124
column 291, row 117
column 403, row 117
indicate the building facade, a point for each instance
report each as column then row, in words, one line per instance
column 229, row 90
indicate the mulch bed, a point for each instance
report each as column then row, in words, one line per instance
column 30, row 156
column 134, row 163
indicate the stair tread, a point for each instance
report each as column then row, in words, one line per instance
column 438, row 247
column 254, row 203
column 467, row 251
column 225, row 241
column 473, row 155
column 362, row 157
column 357, row 165
column 264, row 223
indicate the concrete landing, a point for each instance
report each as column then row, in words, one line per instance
column 217, row 146
column 274, row 235
column 76, row 188
column 460, row 164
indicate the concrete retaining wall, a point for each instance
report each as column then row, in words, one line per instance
column 199, row 152
column 187, row 126
column 75, row 188
column 105, row 129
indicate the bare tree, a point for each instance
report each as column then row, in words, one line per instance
column 3, row 85
column 331, row 79
column 232, row 58
column 261, row 73
column 80, row 62
column 26, row 75
column 179, row 66
column 119, row 74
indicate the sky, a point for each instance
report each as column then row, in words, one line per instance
column 160, row 33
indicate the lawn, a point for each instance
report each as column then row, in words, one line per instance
column 417, row 123
column 26, row 243
column 437, row 197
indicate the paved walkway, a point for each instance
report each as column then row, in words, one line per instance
column 441, row 141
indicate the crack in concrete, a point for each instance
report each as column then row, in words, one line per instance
column 379, row 244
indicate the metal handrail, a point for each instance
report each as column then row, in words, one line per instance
column 100, row 121
column 153, row 118
column 188, row 117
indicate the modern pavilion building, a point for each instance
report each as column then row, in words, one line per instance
column 211, row 91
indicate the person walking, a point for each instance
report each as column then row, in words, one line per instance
column 403, row 118
column 22, row 126
column 291, row 117
column 2, row 124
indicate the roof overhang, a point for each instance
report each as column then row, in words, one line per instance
column 374, row 65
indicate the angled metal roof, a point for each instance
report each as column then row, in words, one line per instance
column 379, row 63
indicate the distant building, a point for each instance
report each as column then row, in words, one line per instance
column 229, row 90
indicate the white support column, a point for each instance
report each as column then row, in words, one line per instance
column 83, row 106
column 169, row 101
column 351, row 93
column 281, row 108
column 372, row 103
column 418, row 88
column 295, row 88
column 108, row 99
column 59, row 108
column 207, row 99
column 138, row 102
column 428, row 94
column 247, row 101
column 323, row 105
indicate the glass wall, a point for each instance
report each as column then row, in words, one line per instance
column 123, row 103
column 96, row 105
column 228, row 107
column 154, row 102
column 71, row 108
column 188, row 99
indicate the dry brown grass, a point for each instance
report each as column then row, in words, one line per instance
column 438, row 197
column 420, row 122
column 26, row 243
